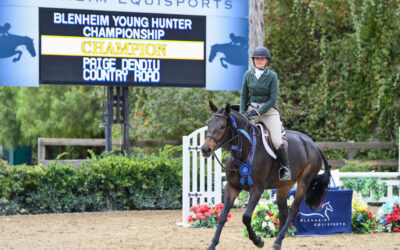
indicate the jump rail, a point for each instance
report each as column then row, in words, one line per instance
column 43, row 142
column 352, row 146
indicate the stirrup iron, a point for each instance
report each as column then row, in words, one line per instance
column 286, row 170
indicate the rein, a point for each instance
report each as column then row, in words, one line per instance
column 244, row 168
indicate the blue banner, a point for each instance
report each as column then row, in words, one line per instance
column 227, row 53
column 333, row 217
column 19, row 46
column 229, row 8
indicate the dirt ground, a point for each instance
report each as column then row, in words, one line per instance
column 155, row 230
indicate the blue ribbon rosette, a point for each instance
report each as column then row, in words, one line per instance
column 245, row 172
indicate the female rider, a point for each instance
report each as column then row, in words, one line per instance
column 259, row 103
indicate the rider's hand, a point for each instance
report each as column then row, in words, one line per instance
column 251, row 113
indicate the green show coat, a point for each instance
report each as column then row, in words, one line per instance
column 262, row 90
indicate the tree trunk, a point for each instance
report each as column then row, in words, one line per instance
column 256, row 26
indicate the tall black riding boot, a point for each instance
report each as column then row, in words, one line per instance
column 284, row 171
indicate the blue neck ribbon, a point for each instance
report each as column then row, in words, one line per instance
column 245, row 168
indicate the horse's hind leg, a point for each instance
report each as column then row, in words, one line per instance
column 293, row 211
column 281, row 200
column 230, row 195
column 255, row 195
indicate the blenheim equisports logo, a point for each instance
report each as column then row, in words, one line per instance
column 322, row 218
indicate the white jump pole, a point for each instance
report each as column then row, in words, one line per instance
column 369, row 174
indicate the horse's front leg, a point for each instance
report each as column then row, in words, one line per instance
column 230, row 195
column 222, row 60
column 18, row 57
column 255, row 195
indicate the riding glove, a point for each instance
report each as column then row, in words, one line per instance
column 251, row 113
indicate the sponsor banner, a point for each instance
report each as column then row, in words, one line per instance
column 232, row 8
column 334, row 215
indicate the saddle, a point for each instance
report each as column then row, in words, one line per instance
column 266, row 138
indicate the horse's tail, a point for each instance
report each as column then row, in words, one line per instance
column 318, row 187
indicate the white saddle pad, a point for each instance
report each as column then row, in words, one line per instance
column 266, row 145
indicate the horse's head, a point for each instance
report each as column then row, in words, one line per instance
column 29, row 46
column 213, row 53
column 218, row 128
column 327, row 206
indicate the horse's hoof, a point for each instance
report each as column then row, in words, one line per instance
column 211, row 248
column 260, row 244
column 275, row 247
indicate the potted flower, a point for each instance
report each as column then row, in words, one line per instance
column 389, row 215
column 206, row 216
column 265, row 221
column 362, row 220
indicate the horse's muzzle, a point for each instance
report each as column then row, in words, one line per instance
column 206, row 151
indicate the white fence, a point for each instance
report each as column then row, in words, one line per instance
column 201, row 177
column 390, row 184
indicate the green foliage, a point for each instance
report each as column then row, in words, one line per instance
column 243, row 197
column 170, row 113
column 356, row 166
column 338, row 63
column 103, row 183
column 49, row 111
column 366, row 186
column 10, row 126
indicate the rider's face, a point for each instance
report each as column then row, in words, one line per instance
column 260, row 62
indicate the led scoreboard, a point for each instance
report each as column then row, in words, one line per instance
column 122, row 48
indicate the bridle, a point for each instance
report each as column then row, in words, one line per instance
column 232, row 124
column 218, row 142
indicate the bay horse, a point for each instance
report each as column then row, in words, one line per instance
column 225, row 129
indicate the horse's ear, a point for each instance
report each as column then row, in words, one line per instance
column 212, row 106
column 227, row 109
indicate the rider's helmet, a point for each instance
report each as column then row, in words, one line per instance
column 261, row 52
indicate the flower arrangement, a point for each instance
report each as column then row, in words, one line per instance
column 265, row 221
column 389, row 215
column 362, row 220
column 205, row 216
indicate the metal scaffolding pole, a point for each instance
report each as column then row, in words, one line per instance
column 109, row 118
column 126, row 119
column 117, row 99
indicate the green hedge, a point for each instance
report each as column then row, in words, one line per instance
column 101, row 184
